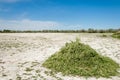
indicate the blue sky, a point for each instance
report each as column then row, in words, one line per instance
column 59, row 14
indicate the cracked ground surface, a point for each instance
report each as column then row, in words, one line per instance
column 22, row 54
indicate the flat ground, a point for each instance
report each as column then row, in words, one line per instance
column 22, row 54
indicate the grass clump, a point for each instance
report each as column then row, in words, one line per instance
column 103, row 35
column 116, row 35
column 28, row 69
column 78, row 59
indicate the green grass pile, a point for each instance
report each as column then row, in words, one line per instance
column 116, row 35
column 78, row 59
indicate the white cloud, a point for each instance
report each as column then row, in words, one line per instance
column 27, row 24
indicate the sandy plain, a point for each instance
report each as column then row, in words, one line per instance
column 22, row 54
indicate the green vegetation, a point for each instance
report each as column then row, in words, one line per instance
column 35, row 64
column 28, row 69
column 78, row 59
column 11, row 44
column 51, row 73
column 116, row 35
column 103, row 35
column 90, row 30
column 19, row 78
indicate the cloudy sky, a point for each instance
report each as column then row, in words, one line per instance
column 59, row 14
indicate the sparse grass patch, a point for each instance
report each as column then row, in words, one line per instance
column 47, row 73
column 34, row 64
column 4, row 75
column 116, row 35
column 37, row 71
column 22, row 64
column 27, row 74
column 19, row 78
column 103, row 35
column 51, row 73
column 78, row 59
column 28, row 69
column 39, row 75
column 10, row 44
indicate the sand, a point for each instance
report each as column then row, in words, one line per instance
column 22, row 54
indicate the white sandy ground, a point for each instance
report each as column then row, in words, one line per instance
column 22, row 54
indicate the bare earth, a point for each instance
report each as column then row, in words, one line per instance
column 22, row 54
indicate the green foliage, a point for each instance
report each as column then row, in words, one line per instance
column 76, row 58
column 116, row 35
column 28, row 69
column 90, row 30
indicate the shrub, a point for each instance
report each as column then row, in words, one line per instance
column 116, row 35
column 76, row 58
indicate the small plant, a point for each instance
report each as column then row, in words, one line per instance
column 76, row 58
column 4, row 75
column 47, row 73
column 19, row 78
column 116, row 35
column 38, row 71
column 27, row 74
column 103, row 35
column 35, row 64
column 28, row 69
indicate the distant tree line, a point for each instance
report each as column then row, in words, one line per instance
column 90, row 30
